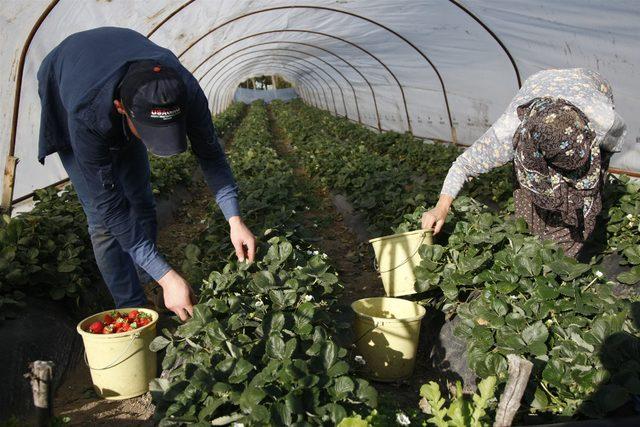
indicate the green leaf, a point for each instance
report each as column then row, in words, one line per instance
column 214, row 330
column 240, row 371
column 226, row 419
column 57, row 293
column 483, row 337
column 281, row 414
column 336, row 412
column 535, row 334
column 264, row 279
column 158, row 343
column 282, row 299
column 202, row 314
column 66, row 267
column 275, row 347
column 355, row 421
column 250, row 397
column 366, row 393
column 304, row 314
column 340, row 368
column 290, row 348
column 343, row 386
column 277, row 322
column 192, row 252
column 630, row 277
column 329, row 354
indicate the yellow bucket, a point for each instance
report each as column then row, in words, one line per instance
column 121, row 364
column 396, row 257
column 387, row 331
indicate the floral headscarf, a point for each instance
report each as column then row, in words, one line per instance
column 557, row 161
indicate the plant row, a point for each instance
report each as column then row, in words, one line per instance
column 516, row 294
column 260, row 348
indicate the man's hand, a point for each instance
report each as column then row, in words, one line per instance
column 242, row 239
column 435, row 218
column 178, row 295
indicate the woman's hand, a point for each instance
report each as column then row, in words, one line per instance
column 435, row 218
column 178, row 295
column 242, row 239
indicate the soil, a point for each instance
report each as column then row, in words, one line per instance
column 350, row 257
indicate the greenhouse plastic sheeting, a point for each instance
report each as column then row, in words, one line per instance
column 388, row 64
column 249, row 95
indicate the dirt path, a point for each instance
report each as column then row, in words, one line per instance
column 350, row 257
column 75, row 398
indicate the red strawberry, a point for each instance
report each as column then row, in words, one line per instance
column 133, row 314
column 108, row 319
column 96, row 327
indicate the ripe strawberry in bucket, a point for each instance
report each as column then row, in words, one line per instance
column 116, row 322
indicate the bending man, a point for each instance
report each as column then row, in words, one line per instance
column 108, row 95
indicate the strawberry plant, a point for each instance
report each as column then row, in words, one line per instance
column 229, row 119
column 518, row 295
column 259, row 349
column 167, row 172
column 46, row 252
column 622, row 214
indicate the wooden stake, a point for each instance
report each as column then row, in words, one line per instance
column 8, row 184
column 40, row 376
column 519, row 372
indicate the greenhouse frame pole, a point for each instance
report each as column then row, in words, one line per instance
column 9, row 180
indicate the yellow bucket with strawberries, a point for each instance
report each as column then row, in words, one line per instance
column 117, row 351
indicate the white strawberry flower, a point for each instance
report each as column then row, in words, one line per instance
column 599, row 273
column 308, row 298
column 360, row 360
column 402, row 419
column 259, row 304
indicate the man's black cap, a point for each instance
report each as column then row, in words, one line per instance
column 154, row 97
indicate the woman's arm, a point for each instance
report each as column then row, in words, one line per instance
column 491, row 150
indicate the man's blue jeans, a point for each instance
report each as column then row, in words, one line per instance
column 131, row 169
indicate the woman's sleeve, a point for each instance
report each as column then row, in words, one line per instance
column 491, row 150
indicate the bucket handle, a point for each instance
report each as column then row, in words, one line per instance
column 375, row 261
column 117, row 359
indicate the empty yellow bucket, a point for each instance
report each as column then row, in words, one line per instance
column 396, row 257
column 387, row 331
column 121, row 364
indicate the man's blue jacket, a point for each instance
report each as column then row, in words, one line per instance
column 77, row 83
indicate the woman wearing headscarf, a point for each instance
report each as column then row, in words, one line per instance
column 560, row 131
